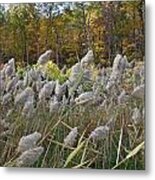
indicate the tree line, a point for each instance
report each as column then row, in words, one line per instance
column 70, row 29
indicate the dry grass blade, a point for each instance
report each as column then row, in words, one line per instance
column 131, row 154
column 73, row 154
column 84, row 151
column 81, row 164
column 119, row 146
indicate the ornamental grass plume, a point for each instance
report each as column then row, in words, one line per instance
column 138, row 92
column 76, row 69
column 34, row 74
column 116, row 64
column 120, row 63
column 28, row 142
column 125, row 64
column 12, row 84
column 31, row 76
column 113, row 80
column 118, row 68
column 54, row 106
column 87, row 74
column 100, row 132
column 2, row 72
column 19, row 87
column 75, row 72
column 85, row 97
column 102, row 77
column 87, row 59
column 2, row 84
column 46, row 90
column 38, row 85
column 64, row 100
column 29, row 157
column 28, row 109
column 10, row 68
column 60, row 90
column 27, row 80
column 71, row 138
column 25, row 95
column 7, row 98
column 45, row 57
column 136, row 116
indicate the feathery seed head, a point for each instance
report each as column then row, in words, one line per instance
column 29, row 157
column 28, row 142
column 70, row 140
column 100, row 132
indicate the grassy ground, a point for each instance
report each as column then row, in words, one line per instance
column 122, row 148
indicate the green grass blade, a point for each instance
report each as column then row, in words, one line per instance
column 73, row 153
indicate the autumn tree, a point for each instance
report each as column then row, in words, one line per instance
column 70, row 29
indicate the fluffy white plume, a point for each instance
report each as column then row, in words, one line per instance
column 125, row 63
column 38, row 85
column 28, row 142
column 19, row 87
column 138, row 92
column 2, row 84
column 117, row 63
column 85, row 97
column 136, row 116
column 34, row 74
column 70, row 140
column 12, row 84
column 120, row 63
column 2, row 72
column 26, row 95
column 75, row 71
column 45, row 57
column 87, row 59
column 46, row 90
column 87, row 75
column 6, row 99
column 10, row 68
column 29, row 157
column 60, row 89
column 54, row 106
column 99, row 133
column 28, row 109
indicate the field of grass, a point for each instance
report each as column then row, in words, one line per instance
column 103, row 131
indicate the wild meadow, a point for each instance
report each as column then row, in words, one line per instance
column 80, row 107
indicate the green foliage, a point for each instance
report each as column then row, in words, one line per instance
column 20, row 71
column 54, row 73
